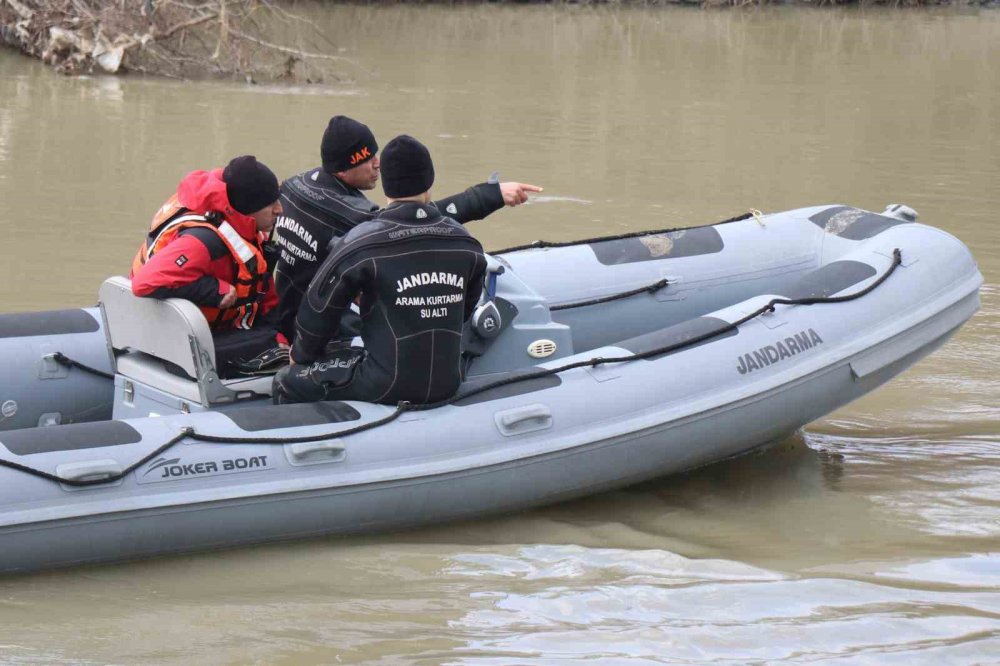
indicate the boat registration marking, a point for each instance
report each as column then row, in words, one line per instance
column 176, row 469
column 777, row 351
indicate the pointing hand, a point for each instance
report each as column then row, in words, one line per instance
column 515, row 194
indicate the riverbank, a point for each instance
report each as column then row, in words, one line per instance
column 233, row 40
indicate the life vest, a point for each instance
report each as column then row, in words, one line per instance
column 251, row 275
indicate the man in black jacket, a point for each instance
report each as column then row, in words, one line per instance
column 419, row 275
column 326, row 202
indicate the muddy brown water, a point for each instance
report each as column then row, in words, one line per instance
column 873, row 536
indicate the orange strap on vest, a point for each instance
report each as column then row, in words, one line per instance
column 251, row 273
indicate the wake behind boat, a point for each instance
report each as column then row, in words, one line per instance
column 591, row 366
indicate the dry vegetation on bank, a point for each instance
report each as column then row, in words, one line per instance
column 174, row 38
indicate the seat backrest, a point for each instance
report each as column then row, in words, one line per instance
column 171, row 329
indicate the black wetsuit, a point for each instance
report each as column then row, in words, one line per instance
column 318, row 208
column 420, row 276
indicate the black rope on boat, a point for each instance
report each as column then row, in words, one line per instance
column 82, row 483
column 634, row 234
column 403, row 407
column 64, row 360
column 649, row 289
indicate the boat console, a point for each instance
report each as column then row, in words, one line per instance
column 527, row 335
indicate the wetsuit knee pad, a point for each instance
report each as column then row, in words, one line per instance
column 295, row 384
column 312, row 383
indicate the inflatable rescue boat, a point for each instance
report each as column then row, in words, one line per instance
column 590, row 365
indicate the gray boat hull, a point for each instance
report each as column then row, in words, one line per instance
column 533, row 443
column 35, row 390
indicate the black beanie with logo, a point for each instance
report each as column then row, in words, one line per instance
column 250, row 185
column 407, row 169
column 346, row 144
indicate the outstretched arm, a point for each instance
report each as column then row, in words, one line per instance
column 480, row 200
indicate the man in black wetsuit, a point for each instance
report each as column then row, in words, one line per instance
column 419, row 275
column 326, row 202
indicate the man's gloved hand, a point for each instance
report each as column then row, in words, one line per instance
column 271, row 254
column 266, row 363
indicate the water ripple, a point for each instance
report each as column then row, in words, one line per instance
column 694, row 611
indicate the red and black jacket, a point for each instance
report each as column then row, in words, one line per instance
column 198, row 248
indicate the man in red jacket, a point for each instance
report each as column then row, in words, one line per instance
column 208, row 244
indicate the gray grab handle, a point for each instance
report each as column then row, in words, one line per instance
column 521, row 420
column 90, row 470
column 310, row 453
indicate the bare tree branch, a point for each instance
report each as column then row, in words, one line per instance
column 175, row 38
column 170, row 32
column 288, row 50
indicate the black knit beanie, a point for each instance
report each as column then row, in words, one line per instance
column 407, row 169
column 250, row 185
column 346, row 144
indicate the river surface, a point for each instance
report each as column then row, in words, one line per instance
column 872, row 537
